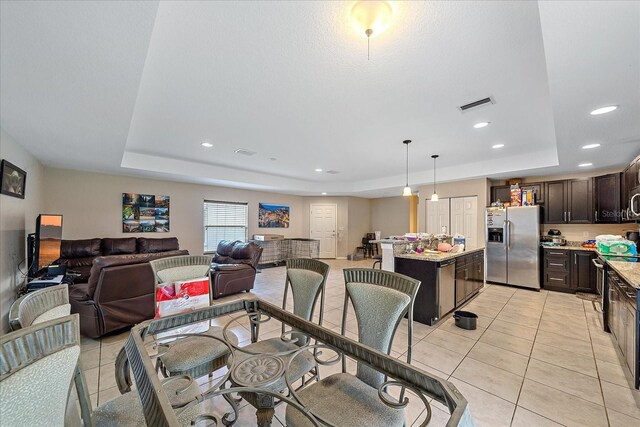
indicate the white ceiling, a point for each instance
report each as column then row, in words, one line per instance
column 135, row 87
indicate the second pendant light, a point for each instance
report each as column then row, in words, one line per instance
column 434, row 196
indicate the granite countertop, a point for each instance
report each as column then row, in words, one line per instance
column 392, row 241
column 628, row 271
column 571, row 248
column 438, row 257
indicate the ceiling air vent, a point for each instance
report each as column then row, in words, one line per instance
column 245, row 152
column 476, row 104
column 332, row 172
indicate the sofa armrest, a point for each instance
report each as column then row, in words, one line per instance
column 230, row 267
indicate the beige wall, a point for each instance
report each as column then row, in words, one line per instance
column 17, row 219
column 359, row 222
column 92, row 206
column 390, row 215
column 474, row 187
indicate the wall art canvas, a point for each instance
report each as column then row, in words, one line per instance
column 12, row 180
column 145, row 213
column 273, row 216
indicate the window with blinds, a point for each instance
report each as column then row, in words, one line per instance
column 224, row 221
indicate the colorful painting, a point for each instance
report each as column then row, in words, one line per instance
column 273, row 216
column 145, row 213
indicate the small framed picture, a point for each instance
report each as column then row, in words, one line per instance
column 12, row 180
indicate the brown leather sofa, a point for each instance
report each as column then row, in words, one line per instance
column 234, row 267
column 119, row 288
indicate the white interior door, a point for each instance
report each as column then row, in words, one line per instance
column 470, row 220
column 457, row 216
column 437, row 215
column 323, row 224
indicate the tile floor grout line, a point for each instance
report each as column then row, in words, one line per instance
column 524, row 375
column 604, row 402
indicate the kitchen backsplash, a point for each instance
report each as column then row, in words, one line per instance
column 582, row 232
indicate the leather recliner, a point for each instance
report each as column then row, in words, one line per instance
column 234, row 267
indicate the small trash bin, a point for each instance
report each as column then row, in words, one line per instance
column 465, row 319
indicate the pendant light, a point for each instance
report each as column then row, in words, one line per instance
column 371, row 18
column 434, row 196
column 407, row 189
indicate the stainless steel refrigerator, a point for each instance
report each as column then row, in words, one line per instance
column 513, row 245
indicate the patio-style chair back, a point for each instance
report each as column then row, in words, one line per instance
column 37, row 365
column 307, row 279
column 44, row 305
column 182, row 267
column 380, row 300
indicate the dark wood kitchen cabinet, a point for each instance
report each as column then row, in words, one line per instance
column 607, row 199
column 469, row 275
column 629, row 181
column 503, row 192
column 555, row 211
column 569, row 270
column 569, row 201
column 583, row 271
column 580, row 201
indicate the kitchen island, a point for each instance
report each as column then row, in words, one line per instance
column 449, row 280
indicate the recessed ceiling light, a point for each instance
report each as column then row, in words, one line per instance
column 584, row 165
column 207, row 144
column 589, row 146
column 604, row 110
column 318, row 170
column 497, row 146
column 481, row 125
column 324, row 194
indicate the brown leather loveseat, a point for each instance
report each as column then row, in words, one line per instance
column 118, row 289
column 234, row 267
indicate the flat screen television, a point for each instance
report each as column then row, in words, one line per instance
column 44, row 244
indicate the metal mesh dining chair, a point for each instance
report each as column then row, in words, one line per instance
column 43, row 305
column 380, row 300
column 38, row 364
column 192, row 356
column 306, row 278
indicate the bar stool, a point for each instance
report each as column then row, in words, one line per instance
column 378, row 260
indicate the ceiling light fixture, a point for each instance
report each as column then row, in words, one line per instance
column 318, row 170
column 407, row 189
column 497, row 146
column 604, row 110
column 434, row 196
column 207, row 144
column 584, row 165
column 324, row 194
column 481, row 125
column 371, row 18
column 590, row 146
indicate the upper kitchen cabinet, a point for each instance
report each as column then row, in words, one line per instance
column 500, row 193
column 629, row 181
column 607, row 198
column 503, row 192
column 555, row 209
column 569, row 201
column 580, row 201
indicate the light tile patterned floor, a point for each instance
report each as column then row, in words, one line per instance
column 536, row 359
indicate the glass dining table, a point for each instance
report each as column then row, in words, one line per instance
column 254, row 372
